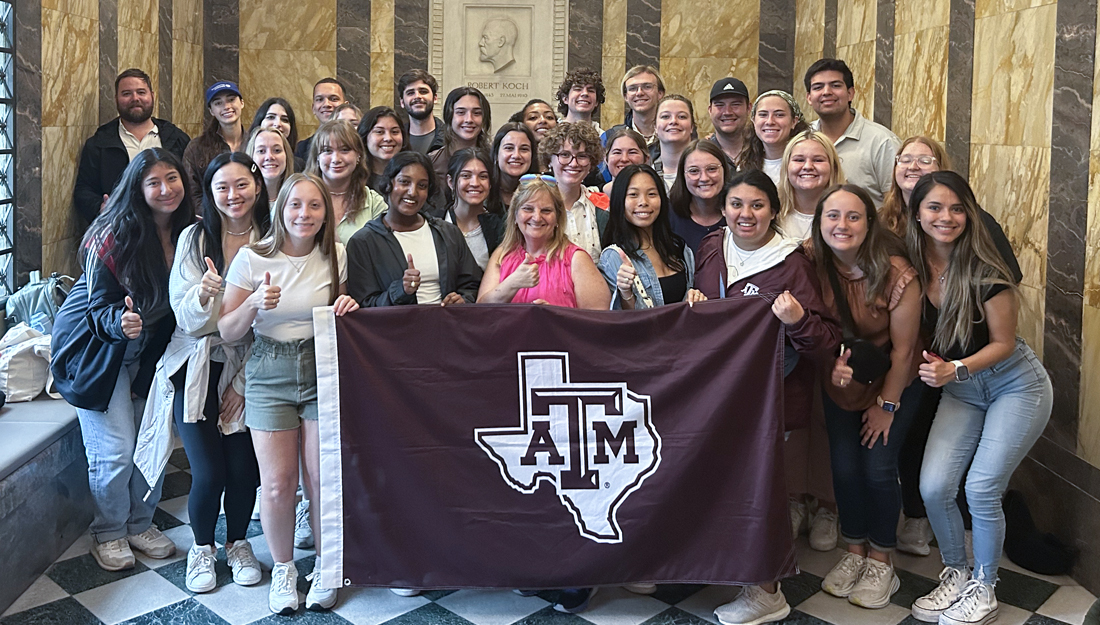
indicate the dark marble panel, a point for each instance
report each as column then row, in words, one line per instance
column 176, row 573
column 67, row 611
column 960, row 83
column 189, row 612
column 776, row 66
column 176, row 484
column 643, row 33
column 179, row 460
column 221, row 40
column 353, row 48
column 675, row 616
column 410, row 40
column 1068, row 465
column 81, row 573
column 829, row 50
column 164, row 30
column 1023, row 591
column 27, row 235
column 108, row 59
column 884, row 64
column 675, row 593
column 550, row 616
column 913, row 587
column 586, row 37
column 801, row 587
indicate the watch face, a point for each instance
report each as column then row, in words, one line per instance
column 962, row 374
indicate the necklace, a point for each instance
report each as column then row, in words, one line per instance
column 298, row 267
column 744, row 259
column 337, row 194
column 238, row 234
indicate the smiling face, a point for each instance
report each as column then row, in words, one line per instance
column 276, row 117
column 942, row 215
column 623, row 151
column 467, row 118
column 337, row 161
column 773, row 121
column 304, row 212
column 515, row 154
column 728, row 113
column 162, row 187
column 571, row 164
column 472, row 186
column 234, row 191
column 907, row 174
column 643, row 201
column 537, row 218
column 134, row 100
column 540, row 118
column 809, row 168
column 226, row 108
column 384, row 139
column 828, row 94
column 270, row 155
column 581, row 100
column 674, row 122
column 703, row 174
column 410, row 190
column 642, row 93
column 326, row 97
column 418, row 100
column 749, row 216
column 844, row 224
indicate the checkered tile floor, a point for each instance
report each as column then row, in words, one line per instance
column 75, row 591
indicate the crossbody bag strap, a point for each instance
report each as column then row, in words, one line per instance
column 841, row 299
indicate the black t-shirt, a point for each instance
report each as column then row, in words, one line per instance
column 691, row 232
column 674, row 287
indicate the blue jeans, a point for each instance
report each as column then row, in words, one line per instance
column 865, row 481
column 993, row 418
column 118, row 490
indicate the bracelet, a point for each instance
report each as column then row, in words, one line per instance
column 625, row 298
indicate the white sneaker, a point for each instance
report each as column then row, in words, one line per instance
column 282, row 598
column 842, row 579
column 929, row 607
column 153, row 543
column 875, row 586
column 823, row 530
column 200, row 568
column 113, row 555
column 641, row 589
column 915, row 536
column 976, row 606
column 405, row 592
column 246, row 569
column 303, row 535
column 754, row 606
column 318, row 599
column 256, row 506
column 797, row 511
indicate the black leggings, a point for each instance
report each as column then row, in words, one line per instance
column 218, row 464
column 912, row 457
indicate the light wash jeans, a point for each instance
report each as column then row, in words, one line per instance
column 994, row 417
column 109, row 440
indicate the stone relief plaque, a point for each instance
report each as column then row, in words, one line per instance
column 511, row 51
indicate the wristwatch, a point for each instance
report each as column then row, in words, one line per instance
column 888, row 406
column 962, row 374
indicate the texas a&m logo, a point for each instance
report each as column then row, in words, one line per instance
column 594, row 442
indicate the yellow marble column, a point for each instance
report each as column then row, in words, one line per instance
column 921, row 31
column 809, row 46
column 856, row 27
column 614, row 61
column 138, row 37
column 187, row 87
column 381, row 55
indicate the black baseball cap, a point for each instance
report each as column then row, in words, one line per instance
column 729, row 86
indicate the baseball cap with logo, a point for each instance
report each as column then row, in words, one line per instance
column 222, row 86
column 728, row 86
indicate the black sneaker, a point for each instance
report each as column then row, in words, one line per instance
column 574, row 600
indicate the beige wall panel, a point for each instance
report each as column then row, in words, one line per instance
column 809, row 28
column 1088, row 428
column 920, row 91
column 1013, row 184
column 913, row 15
column 70, row 70
column 61, row 256
column 141, row 50
column 139, row 15
column 60, row 154
column 614, row 61
column 724, row 30
column 860, row 58
column 83, row 8
column 306, row 25
column 187, row 87
column 187, row 21
column 1092, row 238
column 856, row 22
column 1029, row 321
column 985, row 8
column 381, row 54
column 694, row 78
column 1014, row 78
column 285, row 73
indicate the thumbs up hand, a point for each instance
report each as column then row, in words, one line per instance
column 936, row 371
column 526, row 276
column 266, row 296
column 211, row 283
column 842, row 373
column 131, row 321
column 411, row 278
column 624, row 279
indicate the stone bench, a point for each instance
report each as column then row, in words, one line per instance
column 44, row 501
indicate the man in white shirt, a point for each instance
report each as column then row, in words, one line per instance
column 866, row 149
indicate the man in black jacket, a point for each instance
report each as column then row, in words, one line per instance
column 107, row 153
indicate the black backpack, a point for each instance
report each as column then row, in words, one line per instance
column 1029, row 548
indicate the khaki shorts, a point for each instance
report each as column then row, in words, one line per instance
column 280, row 385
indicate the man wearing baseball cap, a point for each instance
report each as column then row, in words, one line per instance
column 222, row 132
column 729, row 112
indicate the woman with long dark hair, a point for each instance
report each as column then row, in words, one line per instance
column 467, row 118
column 278, row 114
column 515, row 154
column 384, row 132
column 223, row 131
column 472, row 186
column 537, row 115
column 107, row 339
column 644, row 262
column 696, row 199
column 996, row 398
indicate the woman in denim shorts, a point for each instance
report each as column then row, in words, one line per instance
column 996, row 395
column 301, row 257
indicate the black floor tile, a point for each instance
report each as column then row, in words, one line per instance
column 801, row 618
column 800, row 587
column 179, row 459
column 550, row 616
column 188, row 612
column 175, row 485
column 675, row 593
column 910, row 620
column 81, row 573
column 429, row 614
column 436, row 595
column 913, row 587
column 305, row 567
column 254, row 529
column 164, row 521
column 675, row 616
column 1037, row 619
column 67, row 611
column 303, row 617
column 1023, row 591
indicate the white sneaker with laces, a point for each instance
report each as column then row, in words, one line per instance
column 200, row 568
column 876, row 585
column 246, row 569
column 797, row 511
column 915, row 536
column 303, row 535
column 282, row 598
column 754, row 606
column 153, row 543
column 113, row 555
column 929, row 607
column 318, row 599
column 641, row 589
column 823, row 530
column 842, row 579
column 976, row 606
column 256, row 506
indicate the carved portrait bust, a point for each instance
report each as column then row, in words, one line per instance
column 497, row 43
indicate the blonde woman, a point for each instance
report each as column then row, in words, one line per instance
column 337, row 156
column 271, row 151
column 916, row 157
column 811, row 166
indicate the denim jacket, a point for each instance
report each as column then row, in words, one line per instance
column 609, row 267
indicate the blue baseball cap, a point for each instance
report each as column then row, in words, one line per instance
column 219, row 87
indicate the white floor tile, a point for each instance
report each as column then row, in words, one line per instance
column 491, row 607
column 929, row 566
column 618, row 606
column 1069, row 604
column 239, row 604
column 702, row 603
column 370, row 606
column 817, row 562
column 1011, row 615
column 176, row 507
column 41, row 592
column 836, row 610
column 133, row 596
column 79, row 547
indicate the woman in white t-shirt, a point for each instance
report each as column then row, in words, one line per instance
column 811, row 166
column 301, row 258
column 776, row 118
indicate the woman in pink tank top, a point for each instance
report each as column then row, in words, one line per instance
column 536, row 263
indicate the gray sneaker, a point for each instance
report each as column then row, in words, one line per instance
column 754, row 606
column 875, row 586
column 303, row 535
column 929, row 607
column 915, row 537
column 842, row 579
column 113, row 555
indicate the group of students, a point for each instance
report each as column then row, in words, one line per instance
column 201, row 274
